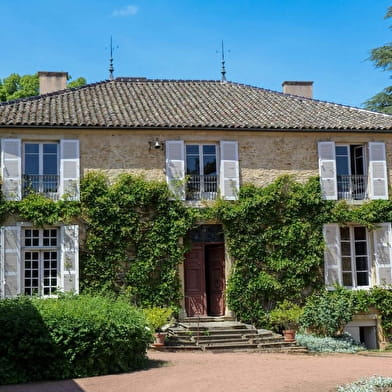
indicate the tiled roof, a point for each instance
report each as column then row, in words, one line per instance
column 134, row 103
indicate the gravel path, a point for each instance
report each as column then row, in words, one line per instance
column 228, row 372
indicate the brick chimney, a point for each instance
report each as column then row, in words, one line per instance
column 52, row 81
column 302, row 89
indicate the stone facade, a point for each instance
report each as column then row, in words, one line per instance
column 263, row 156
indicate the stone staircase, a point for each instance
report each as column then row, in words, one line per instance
column 219, row 334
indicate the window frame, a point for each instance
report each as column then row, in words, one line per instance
column 354, row 272
column 41, row 249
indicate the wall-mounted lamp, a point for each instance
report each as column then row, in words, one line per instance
column 155, row 144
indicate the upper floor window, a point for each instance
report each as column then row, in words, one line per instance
column 201, row 171
column 48, row 168
column 41, row 168
column 353, row 171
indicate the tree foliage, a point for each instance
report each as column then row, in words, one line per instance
column 16, row 86
column 382, row 58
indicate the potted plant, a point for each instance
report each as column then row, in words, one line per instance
column 286, row 316
column 158, row 318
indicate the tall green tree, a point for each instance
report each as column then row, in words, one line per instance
column 16, row 86
column 382, row 58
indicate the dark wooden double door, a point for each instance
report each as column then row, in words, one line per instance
column 204, row 271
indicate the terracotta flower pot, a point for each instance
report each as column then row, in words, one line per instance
column 159, row 339
column 289, row 335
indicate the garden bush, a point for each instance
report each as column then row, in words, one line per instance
column 327, row 312
column 72, row 336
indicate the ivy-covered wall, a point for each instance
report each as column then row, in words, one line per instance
column 132, row 238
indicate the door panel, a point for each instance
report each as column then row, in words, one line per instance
column 215, row 279
column 195, row 290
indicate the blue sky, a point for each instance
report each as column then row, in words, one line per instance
column 326, row 41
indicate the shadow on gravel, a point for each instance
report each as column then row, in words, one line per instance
column 50, row 386
column 156, row 363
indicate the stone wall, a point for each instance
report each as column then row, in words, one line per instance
column 263, row 155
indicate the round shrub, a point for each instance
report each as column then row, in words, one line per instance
column 72, row 336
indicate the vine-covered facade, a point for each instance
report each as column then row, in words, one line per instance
column 213, row 196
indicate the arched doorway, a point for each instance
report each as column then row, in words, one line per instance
column 204, row 272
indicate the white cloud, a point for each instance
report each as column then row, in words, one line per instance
column 126, row 11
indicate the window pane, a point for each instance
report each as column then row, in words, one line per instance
column 346, row 264
column 360, row 233
column 346, row 249
column 49, row 164
column 347, row 279
column 209, row 149
column 192, row 149
column 361, row 263
column 50, row 148
column 360, row 248
column 342, row 167
column 31, row 164
column 209, row 165
column 192, row 165
column 31, row 148
column 363, row 279
column 344, row 233
column 341, row 150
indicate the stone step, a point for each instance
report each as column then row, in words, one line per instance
column 229, row 346
column 207, row 319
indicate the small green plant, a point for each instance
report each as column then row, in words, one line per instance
column 286, row 315
column 371, row 384
column 342, row 344
column 157, row 317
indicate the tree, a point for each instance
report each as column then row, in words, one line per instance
column 15, row 86
column 382, row 58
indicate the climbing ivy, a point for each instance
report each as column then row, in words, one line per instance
column 133, row 239
column 274, row 235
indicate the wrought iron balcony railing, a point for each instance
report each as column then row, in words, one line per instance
column 352, row 187
column 202, row 187
column 47, row 184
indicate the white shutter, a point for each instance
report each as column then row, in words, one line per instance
column 10, row 261
column 332, row 255
column 69, row 265
column 382, row 247
column 69, row 169
column 175, row 167
column 378, row 171
column 327, row 170
column 11, row 164
column 229, row 170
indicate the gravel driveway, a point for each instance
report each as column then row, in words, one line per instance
column 228, row 372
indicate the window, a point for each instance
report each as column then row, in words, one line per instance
column 353, row 171
column 40, row 260
column 41, row 168
column 198, row 171
column 355, row 258
column 201, row 171
column 350, row 172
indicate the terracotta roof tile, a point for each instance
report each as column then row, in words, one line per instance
column 133, row 102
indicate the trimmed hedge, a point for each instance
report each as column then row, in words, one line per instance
column 72, row 336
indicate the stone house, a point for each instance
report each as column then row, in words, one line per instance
column 215, row 134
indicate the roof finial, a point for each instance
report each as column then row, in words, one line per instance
column 111, row 68
column 223, row 71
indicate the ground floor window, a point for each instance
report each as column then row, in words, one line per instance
column 40, row 260
column 358, row 257
column 355, row 258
